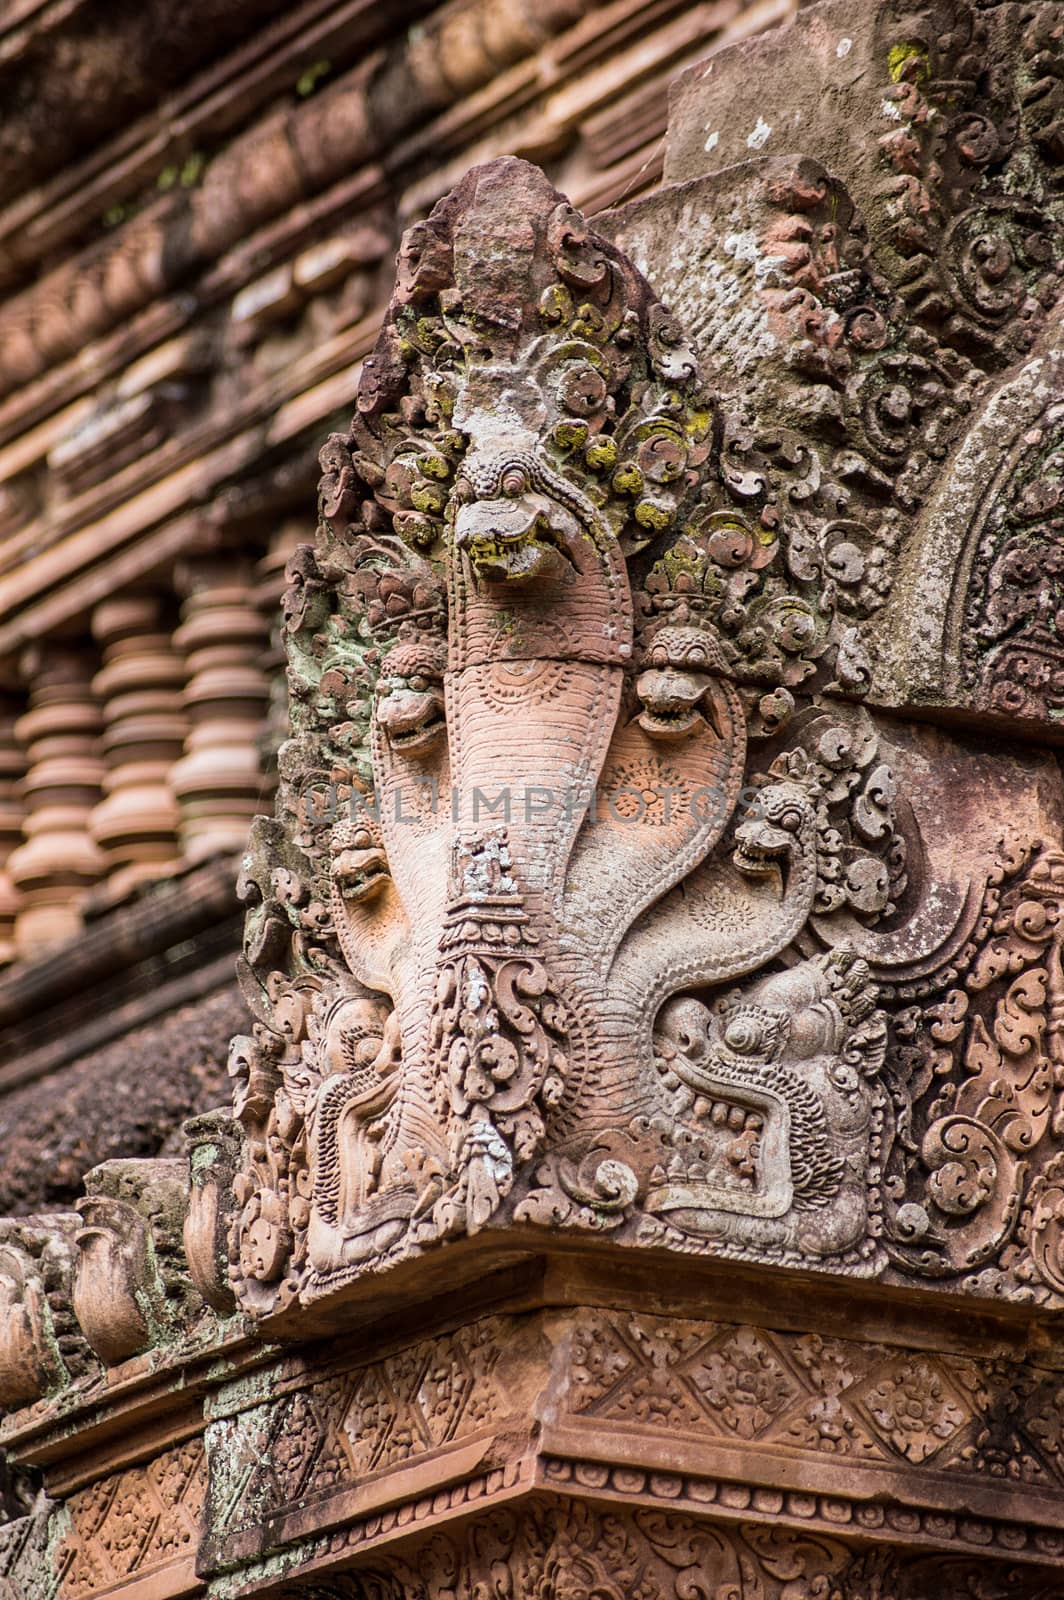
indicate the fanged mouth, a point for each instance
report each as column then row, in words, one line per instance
column 411, row 719
column 670, row 722
column 759, row 861
column 507, row 540
column 421, row 735
column 509, row 559
column 360, row 873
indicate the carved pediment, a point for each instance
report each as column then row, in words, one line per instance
column 595, row 901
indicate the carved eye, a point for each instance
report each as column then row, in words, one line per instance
column 419, row 684
column 791, row 819
column 744, row 1035
column 514, row 482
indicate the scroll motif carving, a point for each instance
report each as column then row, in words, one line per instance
column 859, row 306
column 561, row 1549
column 979, row 1064
column 1014, row 606
column 979, row 235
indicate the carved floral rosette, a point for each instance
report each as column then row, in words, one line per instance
column 556, row 924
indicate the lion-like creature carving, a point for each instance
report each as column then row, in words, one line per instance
column 777, row 1112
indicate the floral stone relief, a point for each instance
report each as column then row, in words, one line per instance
column 595, row 899
column 881, row 315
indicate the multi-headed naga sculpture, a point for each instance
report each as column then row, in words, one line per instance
column 518, row 870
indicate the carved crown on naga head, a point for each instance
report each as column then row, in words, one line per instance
column 513, row 845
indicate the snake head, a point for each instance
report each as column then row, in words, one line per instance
column 675, row 687
column 506, row 521
column 359, row 864
column 780, row 829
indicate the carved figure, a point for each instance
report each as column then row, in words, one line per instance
column 777, row 1113
column 526, row 724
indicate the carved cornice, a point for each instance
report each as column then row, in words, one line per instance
column 797, row 1447
column 231, row 89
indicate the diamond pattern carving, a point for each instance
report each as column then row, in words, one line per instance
column 914, row 1407
column 745, row 1383
column 134, row 1522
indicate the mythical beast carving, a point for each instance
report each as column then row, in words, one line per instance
column 514, row 844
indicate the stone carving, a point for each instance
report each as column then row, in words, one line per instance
column 58, row 861
column 139, row 685
column 978, row 235
column 977, row 1063
column 41, row 1347
column 213, row 1152
column 130, row 1283
column 1014, row 606
column 329, row 1433
column 601, row 896
column 821, row 1396
column 785, row 1406
column 858, row 306
column 526, row 660
column 777, row 1117
column 557, row 1547
column 24, row 1558
column 131, row 1524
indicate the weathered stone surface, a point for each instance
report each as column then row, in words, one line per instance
column 807, row 1439
column 128, row 1099
column 879, row 275
column 589, row 905
column 648, row 1150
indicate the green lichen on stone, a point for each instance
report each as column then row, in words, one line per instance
column 310, row 79
column 427, row 497
column 602, row 453
column 628, row 479
column 434, row 465
column 569, row 435
column 31, row 1552
column 898, row 58
column 650, row 515
column 201, row 1159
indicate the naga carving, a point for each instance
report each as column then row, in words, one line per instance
column 518, row 867
column 589, row 899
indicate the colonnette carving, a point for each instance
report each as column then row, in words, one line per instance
column 138, row 753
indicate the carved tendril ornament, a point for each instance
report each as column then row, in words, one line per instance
column 568, row 915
